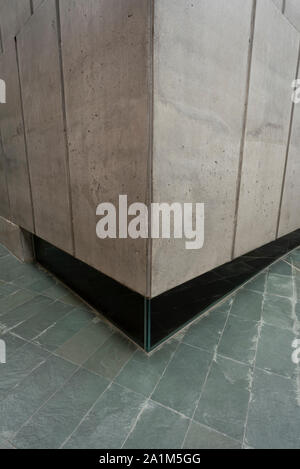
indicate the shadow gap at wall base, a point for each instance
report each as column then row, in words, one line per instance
column 149, row 322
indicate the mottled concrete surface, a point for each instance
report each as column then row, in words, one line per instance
column 290, row 210
column 274, row 62
column 36, row 3
column 13, row 15
column 4, row 200
column 90, row 129
column 105, row 48
column 230, row 380
column 40, row 77
column 199, row 95
column 278, row 3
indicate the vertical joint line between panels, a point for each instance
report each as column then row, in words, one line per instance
column 287, row 152
column 147, row 324
column 5, row 175
column 63, row 97
column 24, row 134
column 283, row 6
column 245, row 116
column 1, row 41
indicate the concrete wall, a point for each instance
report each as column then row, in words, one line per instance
column 279, row 4
column 36, row 3
column 274, row 63
column 13, row 141
column 84, row 70
column 78, row 128
column 200, row 76
column 108, row 120
column 4, row 200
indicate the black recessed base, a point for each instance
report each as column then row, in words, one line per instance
column 149, row 322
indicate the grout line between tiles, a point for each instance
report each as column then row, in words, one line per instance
column 296, row 331
column 252, row 369
column 153, row 391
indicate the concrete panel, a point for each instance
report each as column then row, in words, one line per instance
column 200, row 73
column 290, row 210
column 13, row 141
column 13, row 15
column 292, row 12
column 275, row 54
column 4, row 200
column 36, row 3
column 105, row 55
column 44, row 125
column 16, row 240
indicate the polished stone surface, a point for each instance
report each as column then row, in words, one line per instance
column 226, row 381
column 149, row 322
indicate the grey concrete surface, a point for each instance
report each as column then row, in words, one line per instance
column 36, row 3
column 13, row 140
column 98, row 88
column 16, row 240
column 275, row 55
column 4, row 200
column 105, row 56
column 292, row 12
column 13, row 15
column 290, row 210
column 44, row 126
column 199, row 95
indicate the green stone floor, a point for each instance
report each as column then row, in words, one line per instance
column 72, row 381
